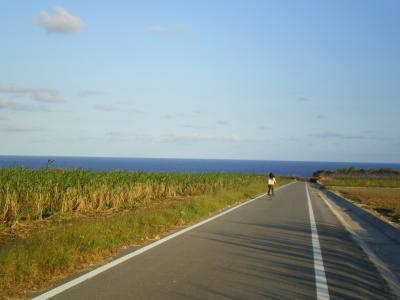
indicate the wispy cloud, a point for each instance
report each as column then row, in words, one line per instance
column 158, row 29
column 60, row 22
column 222, row 122
column 367, row 136
column 90, row 93
column 193, row 126
column 263, row 128
column 15, row 106
column 187, row 138
column 335, row 135
column 108, row 108
column 180, row 115
column 201, row 138
column 176, row 138
column 236, row 138
column 176, row 115
column 303, row 99
column 112, row 108
column 39, row 94
column 369, row 132
column 127, row 136
column 49, row 96
column 322, row 117
column 120, row 134
column 21, row 128
column 13, row 89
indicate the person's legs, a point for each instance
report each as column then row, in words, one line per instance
column 272, row 189
column 269, row 189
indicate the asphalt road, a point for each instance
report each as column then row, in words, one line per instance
column 262, row 250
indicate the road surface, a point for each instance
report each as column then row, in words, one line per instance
column 266, row 249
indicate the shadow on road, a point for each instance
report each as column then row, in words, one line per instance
column 276, row 262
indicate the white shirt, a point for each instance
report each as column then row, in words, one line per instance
column 271, row 181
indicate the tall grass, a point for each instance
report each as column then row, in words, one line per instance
column 142, row 206
column 35, row 194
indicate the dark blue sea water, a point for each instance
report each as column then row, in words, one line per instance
column 299, row 168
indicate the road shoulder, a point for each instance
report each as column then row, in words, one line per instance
column 378, row 239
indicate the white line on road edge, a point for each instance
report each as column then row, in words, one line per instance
column 122, row 259
column 385, row 272
column 320, row 278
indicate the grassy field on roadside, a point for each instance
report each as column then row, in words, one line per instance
column 57, row 222
column 378, row 190
column 385, row 201
column 38, row 194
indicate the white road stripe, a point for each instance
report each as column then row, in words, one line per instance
column 320, row 278
column 122, row 259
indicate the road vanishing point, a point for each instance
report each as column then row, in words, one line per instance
column 290, row 246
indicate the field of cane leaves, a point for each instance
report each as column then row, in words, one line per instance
column 54, row 222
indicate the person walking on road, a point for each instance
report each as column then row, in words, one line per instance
column 271, row 184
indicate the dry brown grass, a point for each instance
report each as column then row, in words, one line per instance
column 385, row 201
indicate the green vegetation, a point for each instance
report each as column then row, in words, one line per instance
column 56, row 222
column 36, row 194
column 354, row 172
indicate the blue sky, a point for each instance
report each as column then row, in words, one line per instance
column 275, row 80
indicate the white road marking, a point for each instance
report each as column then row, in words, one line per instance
column 385, row 272
column 320, row 278
column 122, row 259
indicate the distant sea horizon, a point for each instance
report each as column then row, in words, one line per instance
column 279, row 167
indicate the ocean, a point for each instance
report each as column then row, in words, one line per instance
column 287, row 168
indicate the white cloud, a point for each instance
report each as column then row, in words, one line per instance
column 60, row 22
column 12, row 89
column 48, row 96
column 41, row 95
column 12, row 105
column 159, row 29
